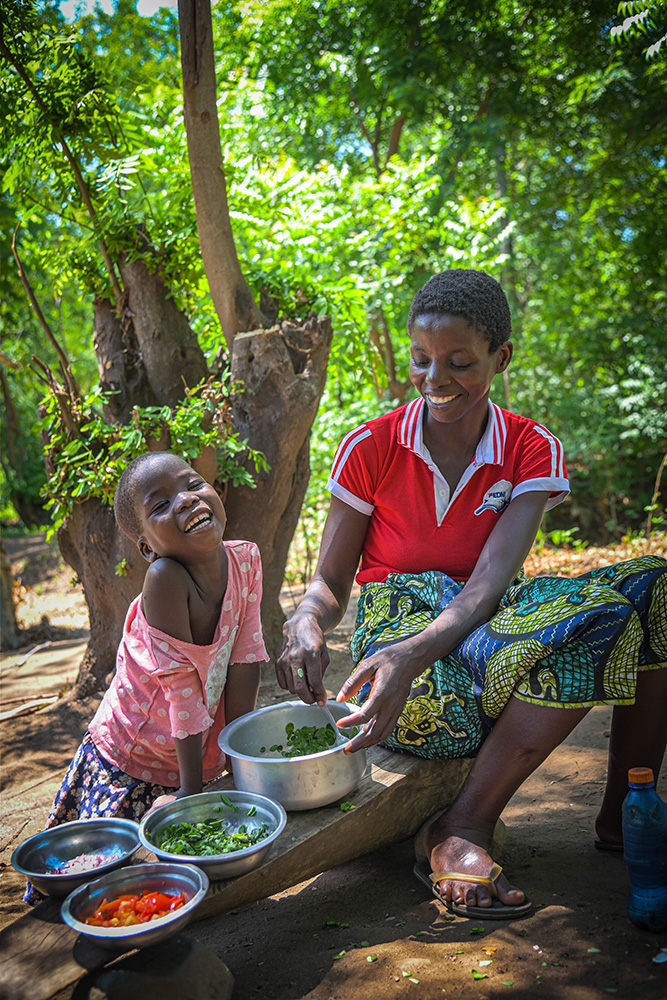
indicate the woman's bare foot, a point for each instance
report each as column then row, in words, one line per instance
column 465, row 849
column 608, row 832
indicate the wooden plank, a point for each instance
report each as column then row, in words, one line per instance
column 39, row 955
column 391, row 803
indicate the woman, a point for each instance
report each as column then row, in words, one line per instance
column 458, row 655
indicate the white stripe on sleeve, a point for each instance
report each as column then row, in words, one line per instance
column 557, row 456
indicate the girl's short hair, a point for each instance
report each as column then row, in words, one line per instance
column 474, row 295
column 125, row 506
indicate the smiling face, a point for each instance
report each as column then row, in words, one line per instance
column 181, row 514
column 452, row 368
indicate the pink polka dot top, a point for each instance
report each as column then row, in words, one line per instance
column 164, row 687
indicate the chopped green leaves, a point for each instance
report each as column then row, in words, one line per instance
column 307, row 740
column 210, row 837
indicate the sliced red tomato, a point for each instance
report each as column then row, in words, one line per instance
column 128, row 909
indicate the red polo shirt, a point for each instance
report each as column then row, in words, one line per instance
column 383, row 469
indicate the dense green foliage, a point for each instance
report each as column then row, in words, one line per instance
column 366, row 146
column 90, row 463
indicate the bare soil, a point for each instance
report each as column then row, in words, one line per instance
column 367, row 929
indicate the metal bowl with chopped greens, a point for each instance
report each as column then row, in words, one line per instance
column 280, row 751
column 223, row 833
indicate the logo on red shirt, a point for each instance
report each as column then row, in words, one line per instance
column 497, row 498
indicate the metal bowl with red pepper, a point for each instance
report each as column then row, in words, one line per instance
column 136, row 906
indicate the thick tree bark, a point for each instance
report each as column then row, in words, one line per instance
column 283, row 371
column 9, row 633
column 119, row 362
column 232, row 298
column 146, row 357
column 169, row 348
column 92, row 545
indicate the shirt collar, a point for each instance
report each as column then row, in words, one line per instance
column 490, row 450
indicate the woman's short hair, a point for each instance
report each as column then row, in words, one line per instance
column 474, row 295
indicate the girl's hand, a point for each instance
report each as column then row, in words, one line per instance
column 391, row 672
column 162, row 800
column 303, row 659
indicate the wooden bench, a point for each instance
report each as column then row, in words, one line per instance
column 39, row 955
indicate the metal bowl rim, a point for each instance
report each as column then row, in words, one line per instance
column 217, row 859
column 135, row 930
column 129, row 824
column 223, row 742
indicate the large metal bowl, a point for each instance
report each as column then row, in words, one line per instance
column 39, row 855
column 173, row 879
column 297, row 782
column 210, row 805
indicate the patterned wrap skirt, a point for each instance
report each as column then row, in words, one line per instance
column 94, row 788
column 567, row 643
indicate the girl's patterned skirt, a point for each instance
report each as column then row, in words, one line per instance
column 567, row 643
column 93, row 788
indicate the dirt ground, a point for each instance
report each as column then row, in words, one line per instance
column 367, row 929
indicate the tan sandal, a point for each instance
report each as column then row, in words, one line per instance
column 496, row 911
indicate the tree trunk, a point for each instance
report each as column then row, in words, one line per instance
column 283, row 371
column 169, row 348
column 146, row 358
column 150, row 352
column 122, row 372
column 9, row 633
column 91, row 543
column 232, row 298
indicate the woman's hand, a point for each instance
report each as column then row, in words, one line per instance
column 304, row 656
column 391, row 672
column 303, row 659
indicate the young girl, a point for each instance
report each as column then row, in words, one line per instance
column 457, row 654
column 189, row 659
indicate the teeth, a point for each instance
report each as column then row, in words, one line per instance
column 441, row 399
column 197, row 521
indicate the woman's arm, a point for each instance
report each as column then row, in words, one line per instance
column 393, row 669
column 304, row 657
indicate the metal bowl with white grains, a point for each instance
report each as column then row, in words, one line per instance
column 65, row 856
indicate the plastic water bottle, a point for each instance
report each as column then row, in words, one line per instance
column 645, row 849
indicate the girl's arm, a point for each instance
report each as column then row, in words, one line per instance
column 165, row 602
column 393, row 669
column 241, row 689
column 304, row 657
column 189, row 756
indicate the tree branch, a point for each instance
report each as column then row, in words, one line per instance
column 367, row 136
column 233, row 300
column 395, row 138
column 62, row 357
column 69, row 156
